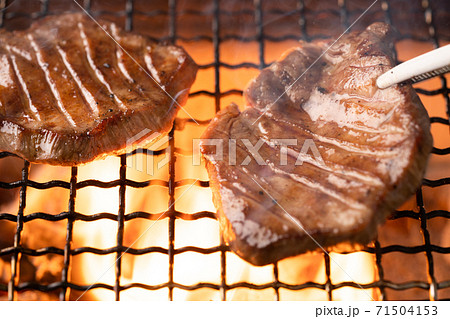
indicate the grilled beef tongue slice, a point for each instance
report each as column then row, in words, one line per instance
column 71, row 92
column 322, row 160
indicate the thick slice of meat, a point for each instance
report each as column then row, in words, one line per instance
column 349, row 153
column 69, row 93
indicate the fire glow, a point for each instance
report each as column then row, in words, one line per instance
column 190, row 268
column 153, row 203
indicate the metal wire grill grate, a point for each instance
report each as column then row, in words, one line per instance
column 214, row 10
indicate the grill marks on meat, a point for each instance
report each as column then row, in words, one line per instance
column 70, row 94
column 372, row 144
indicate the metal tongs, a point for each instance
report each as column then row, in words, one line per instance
column 420, row 68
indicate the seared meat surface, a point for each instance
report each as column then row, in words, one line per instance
column 329, row 155
column 69, row 93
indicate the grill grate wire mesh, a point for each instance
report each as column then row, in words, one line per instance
column 71, row 215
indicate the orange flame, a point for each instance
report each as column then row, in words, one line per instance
column 189, row 267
